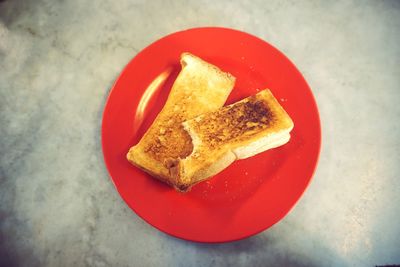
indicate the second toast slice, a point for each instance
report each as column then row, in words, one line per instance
column 240, row 130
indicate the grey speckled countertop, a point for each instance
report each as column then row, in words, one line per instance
column 58, row 60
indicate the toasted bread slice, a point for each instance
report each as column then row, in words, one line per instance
column 199, row 88
column 237, row 131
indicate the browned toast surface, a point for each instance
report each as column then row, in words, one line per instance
column 239, row 122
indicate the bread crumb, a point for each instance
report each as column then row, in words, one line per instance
column 161, row 139
column 251, row 124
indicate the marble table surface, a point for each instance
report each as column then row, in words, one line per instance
column 58, row 61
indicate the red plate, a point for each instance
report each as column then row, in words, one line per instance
column 250, row 195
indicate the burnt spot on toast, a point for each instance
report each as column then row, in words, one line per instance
column 236, row 122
